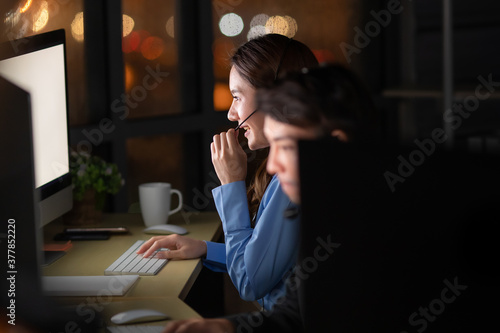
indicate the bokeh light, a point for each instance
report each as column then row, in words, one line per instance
column 170, row 27
column 292, row 26
column 131, row 42
column 257, row 26
column 12, row 18
column 259, row 19
column 129, row 77
column 222, row 97
column 324, row 55
column 231, row 24
column 143, row 34
column 283, row 25
column 41, row 17
column 77, row 29
column 152, row 47
column 128, row 25
column 277, row 25
column 256, row 31
column 26, row 6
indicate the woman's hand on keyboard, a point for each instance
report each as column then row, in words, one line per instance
column 215, row 325
column 180, row 247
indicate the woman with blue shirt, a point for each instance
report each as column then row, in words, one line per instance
column 260, row 246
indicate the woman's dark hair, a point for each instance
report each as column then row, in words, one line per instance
column 327, row 98
column 260, row 62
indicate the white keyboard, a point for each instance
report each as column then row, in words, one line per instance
column 135, row 329
column 131, row 263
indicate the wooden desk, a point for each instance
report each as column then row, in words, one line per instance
column 90, row 309
column 172, row 306
column 93, row 257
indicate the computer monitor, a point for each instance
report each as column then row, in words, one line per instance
column 398, row 239
column 24, row 305
column 17, row 195
column 37, row 64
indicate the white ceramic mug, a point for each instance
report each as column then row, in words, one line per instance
column 154, row 199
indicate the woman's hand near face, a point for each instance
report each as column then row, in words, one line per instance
column 228, row 158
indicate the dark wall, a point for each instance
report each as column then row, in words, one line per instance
column 408, row 54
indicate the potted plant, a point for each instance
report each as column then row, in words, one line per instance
column 92, row 180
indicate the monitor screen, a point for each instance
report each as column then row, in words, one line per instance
column 37, row 64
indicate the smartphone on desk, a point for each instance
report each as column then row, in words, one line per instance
column 111, row 230
column 97, row 233
column 75, row 236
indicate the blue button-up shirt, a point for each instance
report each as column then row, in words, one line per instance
column 259, row 259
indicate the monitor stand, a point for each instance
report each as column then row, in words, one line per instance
column 51, row 256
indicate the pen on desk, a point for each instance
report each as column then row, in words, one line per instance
column 239, row 125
